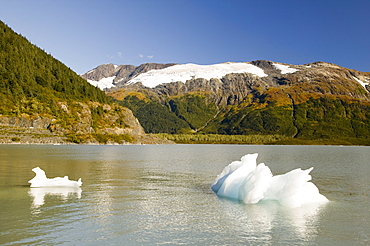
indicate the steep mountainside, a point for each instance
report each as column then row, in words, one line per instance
column 39, row 92
column 316, row 101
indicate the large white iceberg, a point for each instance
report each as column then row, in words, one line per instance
column 250, row 183
column 40, row 180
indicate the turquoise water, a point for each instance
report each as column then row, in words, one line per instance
column 160, row 195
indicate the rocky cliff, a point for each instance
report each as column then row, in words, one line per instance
column 89, row 123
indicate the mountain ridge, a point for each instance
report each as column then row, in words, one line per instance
column 270, row 69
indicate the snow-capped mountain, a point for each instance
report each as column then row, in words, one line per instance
column 151, row 74
column 312, row 101
column 110, row 76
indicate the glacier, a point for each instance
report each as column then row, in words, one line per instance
column 184, row 72
column 250, row 183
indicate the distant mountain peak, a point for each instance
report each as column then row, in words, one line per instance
column 109, row 75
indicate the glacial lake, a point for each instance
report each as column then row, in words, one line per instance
column 160, row 195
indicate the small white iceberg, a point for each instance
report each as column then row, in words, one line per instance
column 40, row 180
column 250, row 183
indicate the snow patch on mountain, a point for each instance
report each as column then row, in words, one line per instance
column 184, row 72
column 103, row 83
column 284, row 68
column 361, row 82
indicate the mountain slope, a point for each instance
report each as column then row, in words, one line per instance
column 39, row 92
column 315, row 101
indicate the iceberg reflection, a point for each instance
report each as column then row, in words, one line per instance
column 38, row 194
column 269, row 221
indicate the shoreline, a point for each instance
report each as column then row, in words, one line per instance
column 36, row 136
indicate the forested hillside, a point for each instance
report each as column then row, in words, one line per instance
column 39, row 92
column 32, row 78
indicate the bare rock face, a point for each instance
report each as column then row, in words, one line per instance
column 26, row 121
column 133, row 126
column 146, row 67
column 83, row 118
column 100, row 72
column 94, row 117
column 231, row 89
column 122, row 72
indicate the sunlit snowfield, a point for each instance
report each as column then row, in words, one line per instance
column 160, row 194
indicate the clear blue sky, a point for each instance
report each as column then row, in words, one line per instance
column 86, row 33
